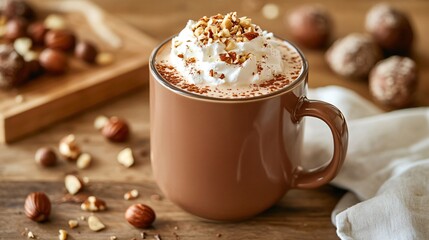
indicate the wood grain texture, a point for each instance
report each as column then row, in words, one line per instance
column 50, row 98
column 299, row 215
column 296, row 216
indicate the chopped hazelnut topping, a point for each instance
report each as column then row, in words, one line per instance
column 218, row 27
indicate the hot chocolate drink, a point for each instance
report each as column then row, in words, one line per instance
column 226, row 106
column 224, row 56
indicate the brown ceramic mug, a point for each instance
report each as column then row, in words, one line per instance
column 230, row 159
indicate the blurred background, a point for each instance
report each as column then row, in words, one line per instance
column 166, row 18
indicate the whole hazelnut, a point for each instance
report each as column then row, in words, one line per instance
column 54, row 61
column 60, row 39
column 310, row 26
column 37, row 206
column 86, row 51
column 46, row 157
column 18, row 8
column 116, row 130
column 37, row 31
column 13, row 71
column 393, row 81
column 353, row 56
column 15, row 28
column 390, row 28
column 140, row 215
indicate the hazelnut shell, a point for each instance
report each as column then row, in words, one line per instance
column 116, row 130
column 60, row 39
column 37, row 206
column 53, row 61
column 46, row 157
column 86, row 51
column 140, row 215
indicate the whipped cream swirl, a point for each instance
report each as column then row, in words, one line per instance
column 226, row 50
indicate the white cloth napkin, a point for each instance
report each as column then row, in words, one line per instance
column 386, row 168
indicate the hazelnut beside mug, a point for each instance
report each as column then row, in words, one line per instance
column 230, row 159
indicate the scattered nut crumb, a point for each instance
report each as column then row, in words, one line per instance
column 104, row 58
column 73, row 223
column 19, row 98
column 22, row 45
column 157, row 237
column 55, row 21
column 30, row 235
column 73, row 184
column 218, row 235
column 31, row 55
column 113, row 238
column 68, row 147
column 83, row 161
column 125, row 157
column 85, row 180
column 93, row 204
column 62, row 234
column 143, row 235
column 176, row 228
column 82, row 218
column 100, row 122
column 270, row 11
column 133, row 194
column 95, row 224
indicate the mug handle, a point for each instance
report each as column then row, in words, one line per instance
column 328, row 113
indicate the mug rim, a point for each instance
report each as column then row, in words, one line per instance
column 182, row 92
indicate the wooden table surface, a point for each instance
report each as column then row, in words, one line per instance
column 299, row 215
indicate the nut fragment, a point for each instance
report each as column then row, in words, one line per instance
column 37, row 206
column 31, row 56
column 55, row 21
column 95, row 224
column 100, row 122
column 83, row 161
column 93, row 204
column 113, row 238
column 140, row 215
column 270, row 11
column 73, row 184
column 133, row 194
column 68, row 148
column 116, row 130
column 104, row 58
column 46, row 157
column 62, row 234
column 125, row 157
column 73, row 223
column 22, row 45
column 30, row 235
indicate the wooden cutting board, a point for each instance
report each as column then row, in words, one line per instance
column 51, row 98
column 294, row 217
